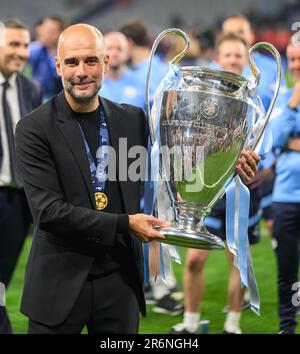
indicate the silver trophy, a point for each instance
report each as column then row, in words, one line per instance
column 205, row 118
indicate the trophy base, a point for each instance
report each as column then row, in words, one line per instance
column 191, row 238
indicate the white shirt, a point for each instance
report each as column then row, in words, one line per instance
column 13, row 101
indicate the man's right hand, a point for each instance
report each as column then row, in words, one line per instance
column 143, row 226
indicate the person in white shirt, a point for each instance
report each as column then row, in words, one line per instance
column 19, row 96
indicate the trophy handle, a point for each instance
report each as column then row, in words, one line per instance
column 263, row 121
column 162, row 35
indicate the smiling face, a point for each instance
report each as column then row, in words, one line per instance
column 81, row 62
column 116, row 46
column 14, row 53
column 293, row 54
column 232, row 56
column 239, row 26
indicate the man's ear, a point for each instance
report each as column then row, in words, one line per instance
column 252, row 38
column 57, row 65
column 106, row 63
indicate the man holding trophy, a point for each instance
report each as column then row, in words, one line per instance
column 85, row 266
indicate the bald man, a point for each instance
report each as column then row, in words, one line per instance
column 85, row 265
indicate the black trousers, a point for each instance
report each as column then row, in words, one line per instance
column 286, row 231
column 15, row 220
column 105, row 305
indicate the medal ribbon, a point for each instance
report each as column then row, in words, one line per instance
column 99, row 169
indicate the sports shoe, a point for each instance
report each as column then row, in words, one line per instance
column 149, row 294
column 168, row 306
column 176, row 294
column 232, row 330
column 226, row 332
column 284, row 331
column 179, row 328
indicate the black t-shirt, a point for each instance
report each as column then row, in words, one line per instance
column 90, row 125
column 108, row 258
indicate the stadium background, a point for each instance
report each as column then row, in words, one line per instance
column 197, row 16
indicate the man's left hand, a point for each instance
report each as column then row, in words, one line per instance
column 247, row 165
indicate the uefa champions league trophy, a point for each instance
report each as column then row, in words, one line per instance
column 203, row 120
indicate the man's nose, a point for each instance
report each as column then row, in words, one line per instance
column 80, row 72
column 23, row 52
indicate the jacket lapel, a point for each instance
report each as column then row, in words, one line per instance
column 116, row 128
column 73, row 136
column 23, row 96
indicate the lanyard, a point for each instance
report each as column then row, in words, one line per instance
column 99, row 169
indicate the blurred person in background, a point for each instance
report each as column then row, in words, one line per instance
column 285, row 124
column 241, row 26
column 177, row 44
column 207, row 48
column 232, row 57
column 42, row 55
column 120, row 84
column 19, row 96
column 37, row 31
column 139, row 53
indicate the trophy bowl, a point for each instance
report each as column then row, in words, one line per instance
column 203, row 128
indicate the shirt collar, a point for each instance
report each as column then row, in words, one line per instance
column 12, row 80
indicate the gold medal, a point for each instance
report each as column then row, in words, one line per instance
column 101, row 200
